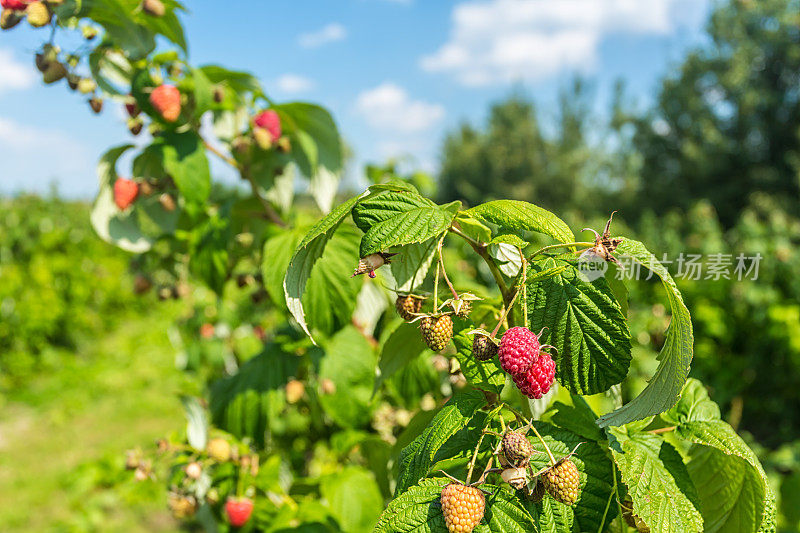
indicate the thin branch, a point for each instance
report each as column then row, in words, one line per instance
column 444, row 270
column 546, row 448
column 505, row 313
column 225, row 157
column 560, row 245
column 272, row 215
column 662, row 430
column 480, row 249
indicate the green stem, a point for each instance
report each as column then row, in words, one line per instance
column 480, row 249
column 524, row 289
column 444, row 270
column 505, row 314
column 474, row 458
column 561, row 245
column 436, row 289
column 546, row 448
column 272, row 215
column 608, row 506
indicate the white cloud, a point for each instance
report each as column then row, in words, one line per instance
column 328, row 34
column 497, row 41
column 13, row 74
column 293, row 83
column 388, row 107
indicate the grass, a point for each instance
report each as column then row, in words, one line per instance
column 63, row 438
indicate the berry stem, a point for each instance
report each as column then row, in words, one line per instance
column 524, row 289
column 444, row 270
column 436, row 288
column 505, row 314
column 474, row 458
column 546, row 448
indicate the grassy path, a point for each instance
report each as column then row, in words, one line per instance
column 62, row 439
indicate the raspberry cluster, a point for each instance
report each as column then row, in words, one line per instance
column 520, row 355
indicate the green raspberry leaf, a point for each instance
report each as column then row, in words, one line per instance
column 663, row 389
column 306, row 255
column 585, row 324
column 658, row 482
column 250, row 402
column 732, row 486
column 514, row 216
column 418, row 457
column 413, row 226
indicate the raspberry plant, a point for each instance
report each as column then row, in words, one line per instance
column 312, row 380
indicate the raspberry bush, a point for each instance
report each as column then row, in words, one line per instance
column 311, row 332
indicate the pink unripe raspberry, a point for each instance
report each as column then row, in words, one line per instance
column 536, row 382
column 518, row 350
column 270, row 121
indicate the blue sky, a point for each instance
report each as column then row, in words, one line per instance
column 397, row 74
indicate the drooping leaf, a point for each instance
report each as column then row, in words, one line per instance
column 658, row 483
column 306, row 255
column 331, row 293
column 314, row 136
column 675, row 357
column 417, row 458
column 119, row 228
column 185, row 160
column 517, row 217
column 419, row 510
column 410, row 266
column 508, row 257
column 585, row 324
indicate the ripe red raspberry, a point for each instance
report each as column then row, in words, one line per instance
column 238, row 510
column 270, row 121
column 519, row 349
column 167, row 101
column 462, row 507
column 536, row 382
column 125, row 192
